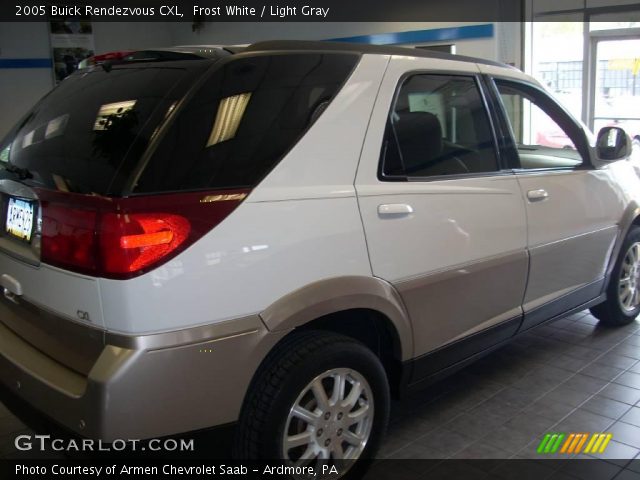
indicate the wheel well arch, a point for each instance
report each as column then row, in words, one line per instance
column 368, row 326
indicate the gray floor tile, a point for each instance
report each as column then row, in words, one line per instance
column 476, row 426
column 419, row 452
column 625, row 433
column 606, row 407
column 531, row 424
column 565, row 394
column 493, row 406
column 632, row 417
column 451, row 470
column 583, row 421
column 628, row 475
column 621, row 393
column 601, row 371
column 585, row 383
column 515, row 397
column 635, row 464
column 524, row 470
column 579, row 351
column 449, row 442
column 617, row 453
column 482, row 450
column 632, row 340
column 627, row 350
column 391, row 445
column 508, row 439
column 560, row 475
column 549, row 408
column 618, row 361
column 629, row 379
column 600, row 469
column 568, row 363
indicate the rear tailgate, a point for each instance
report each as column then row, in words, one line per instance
column 85, row 137
column 47, row 307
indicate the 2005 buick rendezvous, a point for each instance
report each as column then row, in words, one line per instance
column 282, row 235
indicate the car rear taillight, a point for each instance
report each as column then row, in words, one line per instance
column 123, row 238
column 131, row 242
column 68, row 236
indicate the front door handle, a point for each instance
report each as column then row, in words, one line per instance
column 395, row 210
column 537, row 195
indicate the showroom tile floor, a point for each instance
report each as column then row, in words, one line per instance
column 567, row 376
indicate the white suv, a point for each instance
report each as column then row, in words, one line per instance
column 283, row 235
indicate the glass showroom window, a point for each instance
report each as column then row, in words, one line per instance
column 557, row 60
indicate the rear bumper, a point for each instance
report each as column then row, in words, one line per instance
column 142, row 386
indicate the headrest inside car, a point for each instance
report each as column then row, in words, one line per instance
column 420, row 138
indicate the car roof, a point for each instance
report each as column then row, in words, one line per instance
column 216, row 51
column 361, row 48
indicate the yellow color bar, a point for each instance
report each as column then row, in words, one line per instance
column 594, row 437
column 596, row 446
column 607, row 439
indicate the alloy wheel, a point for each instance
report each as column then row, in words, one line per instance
column 629, row 283
column 331, row 419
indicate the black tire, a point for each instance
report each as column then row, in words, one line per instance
column 284, row 375
column 611, row 312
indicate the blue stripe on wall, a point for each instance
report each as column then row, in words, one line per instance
column 415, row 36
column 25, row 63
column 418, row 36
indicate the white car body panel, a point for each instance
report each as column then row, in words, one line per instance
column 67, row 294
column 445, row 228
column 302, row 219
column 237, row 268
column 572, row 232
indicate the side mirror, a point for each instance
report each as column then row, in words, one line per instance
column 613, row 144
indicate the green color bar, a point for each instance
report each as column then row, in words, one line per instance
column 543, row 443
column 547, row 449
column 556, row 446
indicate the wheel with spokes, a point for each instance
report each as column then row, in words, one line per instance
column 320, row 398
column 331, row 418
column 623, row 292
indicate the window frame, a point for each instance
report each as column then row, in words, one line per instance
column 545, row 100
column 477, row 78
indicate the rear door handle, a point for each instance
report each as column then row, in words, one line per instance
column 537, row 195
column 395, row 210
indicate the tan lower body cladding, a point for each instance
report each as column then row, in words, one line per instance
column 448, row 305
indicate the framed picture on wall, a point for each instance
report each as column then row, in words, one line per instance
column 71, row 42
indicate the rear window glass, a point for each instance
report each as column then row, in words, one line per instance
column 243, row 120
column 90, row 132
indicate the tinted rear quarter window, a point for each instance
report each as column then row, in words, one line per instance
column 89, row 133
column 243, row 120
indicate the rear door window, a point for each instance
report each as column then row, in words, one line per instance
column 439, row 126
column 243, row 120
